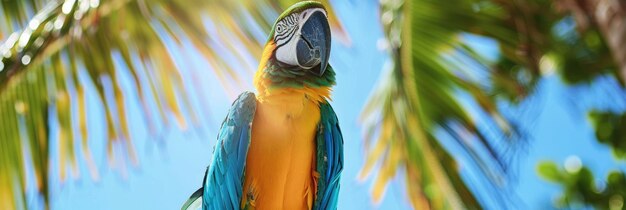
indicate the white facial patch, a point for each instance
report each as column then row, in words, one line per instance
column 287, row 34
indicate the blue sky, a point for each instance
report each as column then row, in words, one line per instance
column 172, row 162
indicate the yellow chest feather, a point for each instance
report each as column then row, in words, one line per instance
column 281, row 158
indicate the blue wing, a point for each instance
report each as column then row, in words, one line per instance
column 224, row 179
column 329, row 158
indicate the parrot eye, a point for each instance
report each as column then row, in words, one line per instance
column 279, row 28
column 285, row 29
column 286, row 24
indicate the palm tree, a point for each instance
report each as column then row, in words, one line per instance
column 40, row 69
column 416, row 108
column 411, row 115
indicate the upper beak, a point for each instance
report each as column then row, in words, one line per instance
column 314, row 45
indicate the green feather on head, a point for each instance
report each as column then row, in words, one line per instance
column 301, row 36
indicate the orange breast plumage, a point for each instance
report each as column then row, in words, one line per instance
column 281, row 158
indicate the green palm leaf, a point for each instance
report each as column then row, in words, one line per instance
column 421, row 96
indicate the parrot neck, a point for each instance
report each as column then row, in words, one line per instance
column 277, row 84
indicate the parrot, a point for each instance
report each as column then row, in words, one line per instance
column 282, row 147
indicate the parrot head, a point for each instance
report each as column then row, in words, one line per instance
column 302, row 37
column 297, row 51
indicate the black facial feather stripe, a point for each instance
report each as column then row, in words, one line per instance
column 289, row 37
column 291, row 19
column 291, row 24
column 286, row 34
column 283, row 33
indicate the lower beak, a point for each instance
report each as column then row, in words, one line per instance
column 313, row 49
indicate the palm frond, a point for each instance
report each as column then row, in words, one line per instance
column 421, row 97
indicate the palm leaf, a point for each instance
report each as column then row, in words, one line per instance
column 420, row 97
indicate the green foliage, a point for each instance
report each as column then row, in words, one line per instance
column 586, row 45
column 610, row 129
column 549, row 171
column 583, row 57
column 419, row 97
column 581, row 188
column 546, row 40
column 430, row 65
column 50, row 44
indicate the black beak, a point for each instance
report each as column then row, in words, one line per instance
column 314, row 45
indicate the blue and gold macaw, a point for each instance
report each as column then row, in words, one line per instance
column 281, row 148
